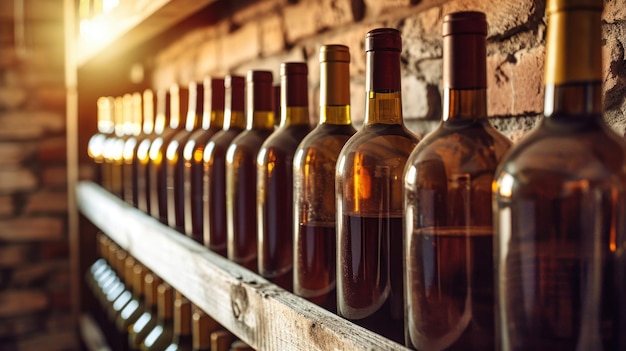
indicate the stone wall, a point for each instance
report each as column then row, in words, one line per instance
column 35, row 305
column 262, row 34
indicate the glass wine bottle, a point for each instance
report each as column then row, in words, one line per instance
column 314, row 164
column 138, row 331
column 369, row 198
column 212, row 122
column 214, row 204
column 114, row 147
column 275, row 177
column 160, row 337
column 202, row 326
column 155, row 111
column 182, row 325
column 241, row 173
column 134, row 308
column 175, row 103
column 175, row 160
column 133, row 108
column 95, row 146
column 448, row 235
column 560, row 205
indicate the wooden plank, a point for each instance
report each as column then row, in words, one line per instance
column 260, row 313
column 134, row 22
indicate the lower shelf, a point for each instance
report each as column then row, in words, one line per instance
column 258, row 312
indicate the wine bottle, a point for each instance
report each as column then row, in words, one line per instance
column 202, row 326
column 114, row 147
column 134, row 308
column 314, row 164
column 214, row 204
column 212, row 122
column 133, row 108
column 175, row 160
column 221, row 340
column 369, row 197
column 275, row 177
column 138, row 331
column 241, row 174
column 161, row 335
column 155, row 122
column 182, row 325
column 560, row 205
column 175, row 103
column 95, row 146
column 135, row 171
column 448, row 235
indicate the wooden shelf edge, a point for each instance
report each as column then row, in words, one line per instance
column 133, row 23
column 260, row 313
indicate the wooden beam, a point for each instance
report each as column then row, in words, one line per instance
column 261, row 314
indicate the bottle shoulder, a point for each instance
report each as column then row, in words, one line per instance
column 468, row 148
column 381, row 141
column 250, row 140
column 548, row 154
column 287, row 138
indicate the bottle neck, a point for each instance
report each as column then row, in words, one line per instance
column 293, row 115
column 573, row 73
column 234, row 116
column 464, row 104
column 148, row 113
column 195, row 107
column 165, row 303
column 383, row 102
column 335, row 92
column 261, row 120
column 182, row 316
column 213, row 120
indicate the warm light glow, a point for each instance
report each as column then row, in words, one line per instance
column 504, row 186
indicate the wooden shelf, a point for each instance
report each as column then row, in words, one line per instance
column 133, row 23
column 260, row 313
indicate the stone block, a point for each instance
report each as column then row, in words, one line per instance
column 515, row 83
column 17, row 180
column 28, row 229
column 14, row 255
column 241, row 45
column 62, row 340
column 614, row 11
column 47, row 202
column 12, row 97
column 7, row 207
column 16, row 153
column 374, row 8
column 308, row 17
column 256, row 10
column 53, row 151
column 272, row 35
column 54, row 177
column 22, row 302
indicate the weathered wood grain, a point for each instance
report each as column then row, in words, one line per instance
column 260, row 313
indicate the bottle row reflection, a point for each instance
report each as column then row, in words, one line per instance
column 139, row 311
column 450, row 242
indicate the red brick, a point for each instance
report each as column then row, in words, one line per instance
column 614, row 11
column 32, row 229
column 15, row 153
column 22, row 302
column 54, row 250
column 66, row 340
column 272, row 35
column 53, row 150
column 53, row 272
column 6, row 206
column 516, row 88
column 54, row 177
column 12, row 97
column 376, row 7
column 20, row 326
column 30, row 124
column 14, row 255
column 47, row 202
column 17, row 180
column 242, row 45
column 51, row 97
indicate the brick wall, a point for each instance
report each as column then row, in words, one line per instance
column 34, row 251
column 265, row 33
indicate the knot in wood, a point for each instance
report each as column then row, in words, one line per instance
column 238, row 301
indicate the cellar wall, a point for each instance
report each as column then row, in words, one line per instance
column 35, row 304
column 267, row 32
